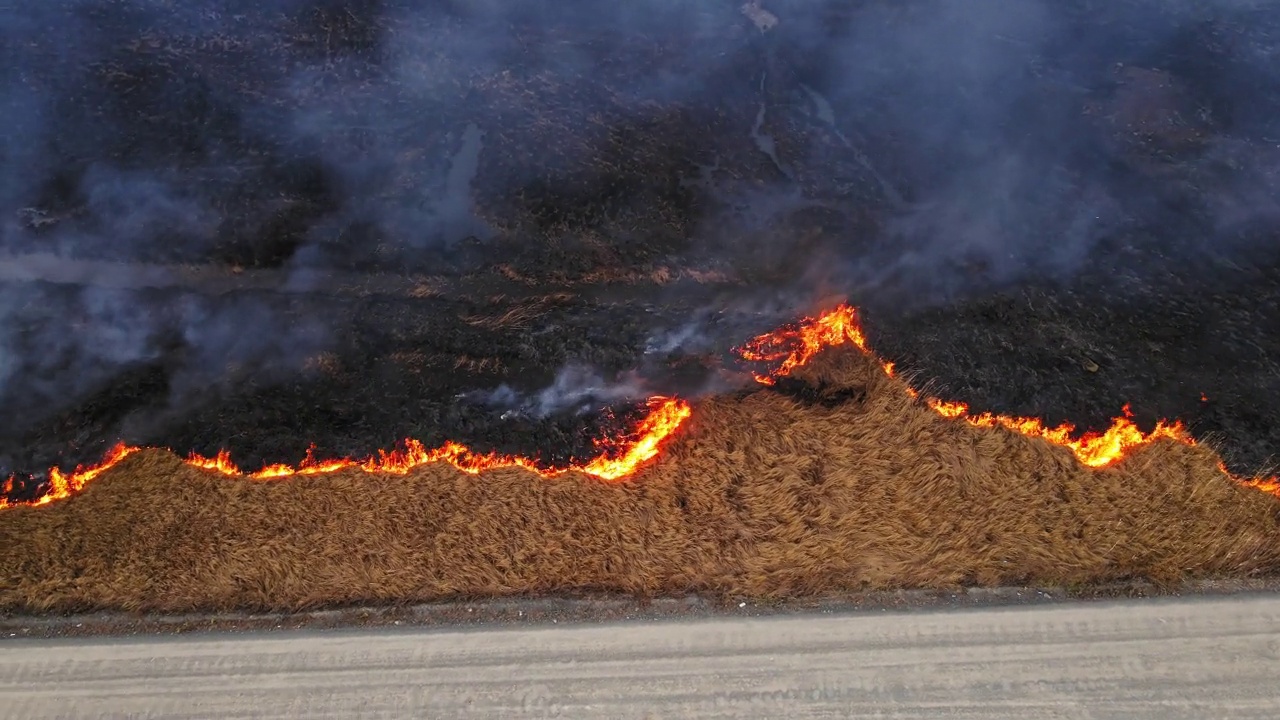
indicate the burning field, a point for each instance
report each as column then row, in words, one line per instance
column 848, row 481
column 307, row 303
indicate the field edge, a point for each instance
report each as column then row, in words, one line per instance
column 454, row 615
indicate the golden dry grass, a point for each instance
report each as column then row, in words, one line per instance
column 760, row 495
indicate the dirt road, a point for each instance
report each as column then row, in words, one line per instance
column 1165, row 658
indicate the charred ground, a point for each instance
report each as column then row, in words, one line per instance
column 504, row 194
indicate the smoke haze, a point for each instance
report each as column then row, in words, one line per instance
column 882, row 149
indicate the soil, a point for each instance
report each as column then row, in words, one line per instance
column 551, row 611
column 604, row 213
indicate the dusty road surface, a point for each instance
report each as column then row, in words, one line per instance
column 1200, row 658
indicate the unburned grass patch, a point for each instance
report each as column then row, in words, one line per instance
column 763, row 494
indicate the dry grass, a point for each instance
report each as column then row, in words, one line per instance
column 759, row 496
column 521, row 315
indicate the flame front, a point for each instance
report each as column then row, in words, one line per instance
column 785, row 349
column 618, row 458
column 1092, row 449
column 794, row 345
column 665, row 416
column 63, row 485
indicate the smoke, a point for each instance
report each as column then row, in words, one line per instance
column 142, row 210
column 577, row 389
column 1032, row 138
column 113, row 147
column 879, row 148
column 704, row 336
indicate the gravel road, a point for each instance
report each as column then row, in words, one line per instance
column 1169, row 658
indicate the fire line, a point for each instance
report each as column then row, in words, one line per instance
column 618, row 458
column 785, row 349
column 793, row 346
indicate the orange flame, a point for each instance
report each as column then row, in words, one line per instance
column 1266, row 485
column 618, row 458
column 794, row 345
column 788, row 348
column 1093, row 449
column 64, row 485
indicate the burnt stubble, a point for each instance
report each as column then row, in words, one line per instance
column 1051, row 213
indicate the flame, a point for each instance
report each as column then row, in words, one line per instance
column 618, row 458
column 786, row 349
column 64, row 485
column 221, row 462
column 1092, row 449
column 665, row 416
column 794, row 345
column 1266, row 485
